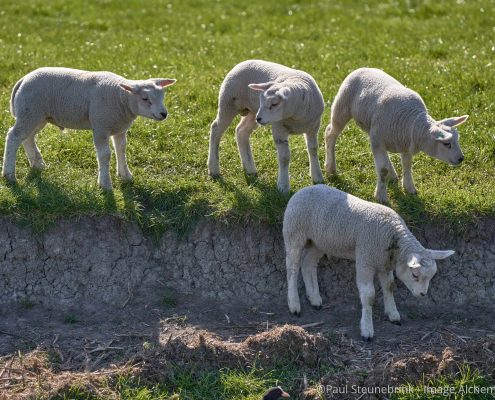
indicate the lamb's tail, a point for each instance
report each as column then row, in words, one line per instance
column 12, row 96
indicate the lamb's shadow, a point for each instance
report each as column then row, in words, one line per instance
column 156, row 212
column 410, row 206
column 269, row 204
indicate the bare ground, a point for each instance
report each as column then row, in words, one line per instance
column 46, row 350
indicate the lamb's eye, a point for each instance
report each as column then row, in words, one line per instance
column 448, row 145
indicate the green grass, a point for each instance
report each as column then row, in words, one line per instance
column 184, row 384
column 443, row 49
column 466, row 385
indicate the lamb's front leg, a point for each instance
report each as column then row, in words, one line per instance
column 364, row 279
column 407, row 179
column 314, row 164
column 120, row 143
column 103, row 154
column 387, row 283
column 281, row 138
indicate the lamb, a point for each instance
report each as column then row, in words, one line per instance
column 288, row 99
column 69, row 98
column 322, row 220
column 396, row 120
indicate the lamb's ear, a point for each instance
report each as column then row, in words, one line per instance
column 260, row 87
column 283, row 93
column 164, row 82
column 127, row 87
column 440, row 135
column 440, row 254
column 454, row 121
column 413, row 261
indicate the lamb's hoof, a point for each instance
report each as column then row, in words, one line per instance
column 296, row 314
column 251, row 178
column 367, row 338
column 317, row 307
column 382, row 199
column 39, row 167
column 396, row 322
column 9, row 181
column 126, row 178
column 106, row 187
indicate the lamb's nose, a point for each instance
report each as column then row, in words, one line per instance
column 258, row 119
column 163, row 114
column 423, row 294
column 461, row 159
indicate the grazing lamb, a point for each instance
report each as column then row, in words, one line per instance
column 69, row 98
column 288, row 99
column 322, row 220
column 397, row 120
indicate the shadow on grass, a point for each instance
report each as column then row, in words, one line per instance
column 39, row 202
column 268, row 207
column 155, row 212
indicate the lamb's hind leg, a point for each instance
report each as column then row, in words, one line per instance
column 32, row 151
column 242, row 133
column 293, row 264
column 22, row 129
column 224, row 118
column 339, row 119
column 310, row 260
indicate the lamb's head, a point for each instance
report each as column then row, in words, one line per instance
column 273, row 99
column 147, row 97
column 446, row 140
column 417, row 269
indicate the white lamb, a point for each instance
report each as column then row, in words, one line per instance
column 69, row 98
column 322, row 220
column 288, row 99
column 397, row 121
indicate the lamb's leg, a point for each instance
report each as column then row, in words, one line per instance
column 364, row 279
column 22, row 129
column 407, row 179
column 103, row 153
column 242, row 133
column 32, row 151
column 281, row 138
column 339, row 119
column 392, row 173
column 387, row 283
column 312, row 146
column 310, row 276
column 223, row 120
column 293, row 264
column 119, row 144
column 382, row 163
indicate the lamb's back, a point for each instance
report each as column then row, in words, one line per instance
column 377, row 98
column 336, row 221
column 235, row 84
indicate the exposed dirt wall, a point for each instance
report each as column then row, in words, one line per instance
column 108, row 260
